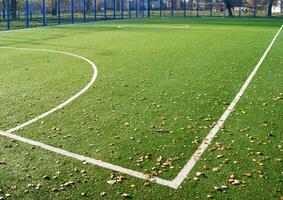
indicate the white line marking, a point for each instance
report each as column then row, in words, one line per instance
column 185, row 26
column 87, row 159
column 201, row 149
column 64, row 25
column 68, row 100
column 100, row 163
column 175, row 183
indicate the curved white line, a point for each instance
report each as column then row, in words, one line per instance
column 178, row 180
column 100, row 163
column 83, row 90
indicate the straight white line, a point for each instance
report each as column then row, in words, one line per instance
column 201, row 149
column 44, row 27
column 144, row 26
column 97, row 24
column 68, row 24
column 87, row 159
column 100, row 163
column 183, row 173
column 176, row 27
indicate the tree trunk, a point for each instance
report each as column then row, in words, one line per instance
column 3, row 9
column 88, row 6
column 14, row 9
column 54, row 7
column 269, row 11
column 229, row 7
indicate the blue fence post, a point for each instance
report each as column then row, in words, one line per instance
column 224, row 8
column 160, row 8
column 240, row 7
column 148, row 8
column 114, row 9
column 129, row 8
column 172, row 8
column 143, row 8
column 72, row 11
column 122, row 8
column 94, row 10
column 105, row 9
column 136, row 8
column 59, row 11
column 8, row 9
column 43, row 13
column 27, row 13
column 255, row 8
column 197, row 8
column 84, row 10
column 210, row 7
column 185, row 8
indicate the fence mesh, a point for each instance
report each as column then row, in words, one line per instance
column 15, row 14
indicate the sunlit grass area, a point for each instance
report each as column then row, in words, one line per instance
column 162, row 85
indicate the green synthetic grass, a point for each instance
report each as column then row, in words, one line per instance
column 159, row 91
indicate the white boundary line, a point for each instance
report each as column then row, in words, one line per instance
column 103, row 24
column 87, row 159
column 176, row 182
column 100, row 163
column 201, row 149
column 185, row 26
column 68, row 100
column 68, row 24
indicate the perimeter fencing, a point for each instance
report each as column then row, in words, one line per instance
column 16, row 14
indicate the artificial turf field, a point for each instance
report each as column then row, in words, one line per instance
column 162, row 85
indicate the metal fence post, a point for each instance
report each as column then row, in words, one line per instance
column 148, row 8
column 185, row 8
column 210, row 7
column 8, row 9
column 84, row 10
column 197, row 8
column 114, row 9
column 224, row 5
column 172, row 8
column 129, row 8
column 122, row 8
column 160, row 8
column 254, row 8
column 43, row 13
column 72, row 11
column 240, row 7
column 27, row 13
column 94, row 10
column 136, row 8
column 143, row 8
column 105, row 9
column 59, row 11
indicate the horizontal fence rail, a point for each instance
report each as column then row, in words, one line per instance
column 17, row 14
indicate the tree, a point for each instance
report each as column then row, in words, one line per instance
column 268, row 4
column 88, row 6
column 269, row 9
column 13, row 9
column 3, row 9
column 54, row 7
column 229, row 7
